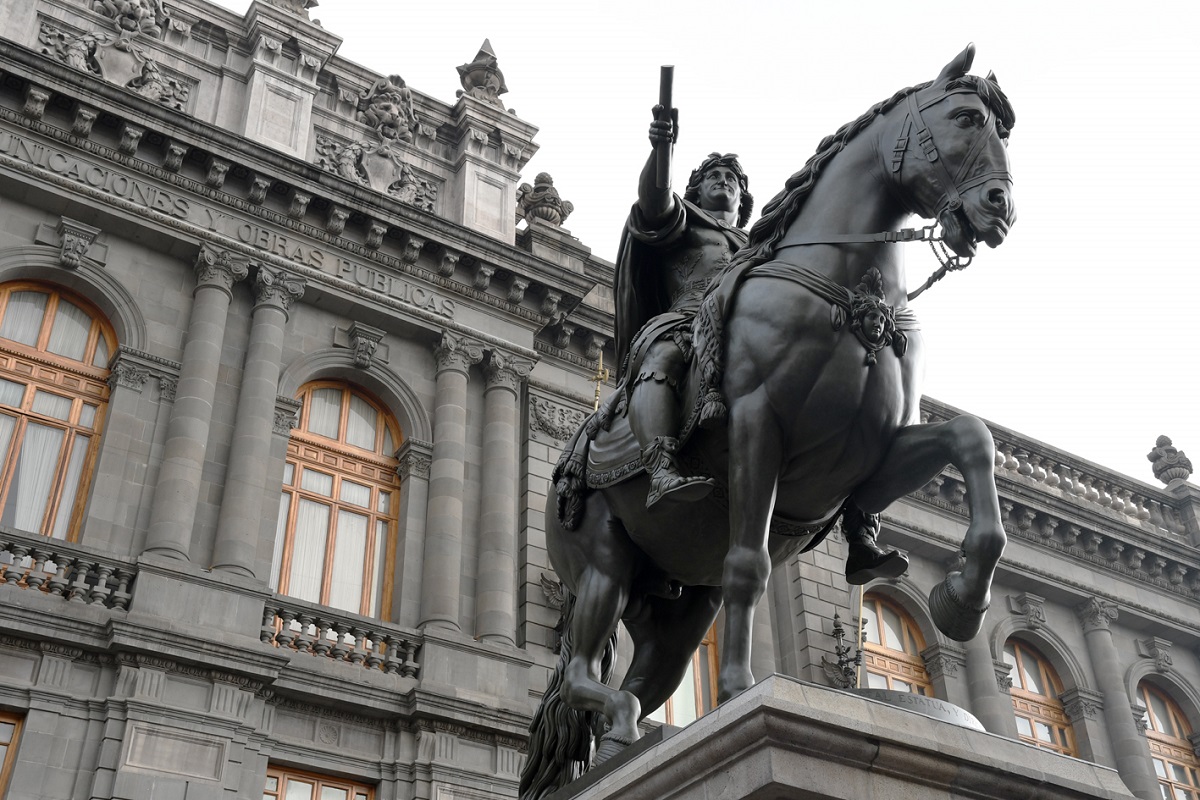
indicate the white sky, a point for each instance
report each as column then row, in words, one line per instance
column 1081, row 330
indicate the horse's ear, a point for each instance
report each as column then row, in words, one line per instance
column 959, row 65
column 991, row 76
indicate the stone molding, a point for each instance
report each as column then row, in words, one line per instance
column 131, row 369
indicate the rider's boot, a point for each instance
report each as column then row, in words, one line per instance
column 866, row 560
column 665, row 478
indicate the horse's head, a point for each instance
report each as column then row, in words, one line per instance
column 950, row 158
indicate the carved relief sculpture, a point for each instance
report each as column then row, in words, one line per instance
column 378, row 166
column 135, row 16
column 541, row 201
column 387, row 107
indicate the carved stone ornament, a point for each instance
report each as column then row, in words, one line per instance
column 516, row 289
column 1168, row 463
column 415, row 458
column 135, row 16
column 505, row 371
column 482, row 78
column 387, row 108
column 364, row 340
column 218, row 267
column 1157, row 650
column 378, row 166
column 1082, row 703
column 116, row 60
column 556, row 595
column 456, row 352
column 557, row 422
column 542, row 202
column 298, row 7
column 277, row 288
column 287, row 415
column 1095, row 613
column 76, row 239
column 128, row 375
column 1031, row 607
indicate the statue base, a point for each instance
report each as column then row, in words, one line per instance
column 789, row 740
column 929, row 706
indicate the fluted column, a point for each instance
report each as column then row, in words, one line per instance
column 177, row 493
column 1130, row 749
column 441, row 573
column 495, row 596
column 240, row 520
column 989, row 704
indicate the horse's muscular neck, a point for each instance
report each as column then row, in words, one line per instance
column 851, row 197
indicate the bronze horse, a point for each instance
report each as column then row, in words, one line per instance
column 808, row 356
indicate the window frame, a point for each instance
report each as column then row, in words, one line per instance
column 284, row 774
column 888, row 663
column 1172, row 748
column 1035, row 707
column 343, row 461
column 45, row 373
column 705, row 663
column 8, row 763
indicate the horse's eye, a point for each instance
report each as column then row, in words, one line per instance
column 965, row 119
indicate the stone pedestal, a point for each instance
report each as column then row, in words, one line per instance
column 788, row 740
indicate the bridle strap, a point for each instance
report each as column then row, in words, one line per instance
column 925, row 234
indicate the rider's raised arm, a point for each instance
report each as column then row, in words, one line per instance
column 656, row 203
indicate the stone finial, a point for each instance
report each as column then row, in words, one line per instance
column 135, row 16
column 542, row 201
column 1168, row 463
column 298, row 7
column 387, row 107
column 482, row 78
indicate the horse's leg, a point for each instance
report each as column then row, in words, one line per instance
column 917, row 455
column 755, row 456
column 665, row 634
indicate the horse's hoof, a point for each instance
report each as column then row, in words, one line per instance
column 610, row 746
column 952, row 616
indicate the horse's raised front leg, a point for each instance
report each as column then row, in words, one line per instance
column 755, row 457
column 917, row 455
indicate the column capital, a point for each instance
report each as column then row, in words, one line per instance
column 505, row 371
column 277, row 288
column 943, row 660
column 1095, row 613
column 1082, row 703
column 219, row 269
column 454, row 352
column 287, row 415
column 415, row 458
column 1003, row 676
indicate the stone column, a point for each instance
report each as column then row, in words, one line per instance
column 495, row 595
column 415, row 457
column 441, row 572
column 992, row 706
column 1130, row 750
column 178, row 491
column 240, row 519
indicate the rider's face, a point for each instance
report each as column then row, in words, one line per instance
column 720, row 190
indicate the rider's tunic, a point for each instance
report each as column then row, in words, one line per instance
column 662, row 275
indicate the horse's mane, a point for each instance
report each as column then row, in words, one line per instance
column 783, row 207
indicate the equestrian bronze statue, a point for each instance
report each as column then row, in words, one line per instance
column 800, row 401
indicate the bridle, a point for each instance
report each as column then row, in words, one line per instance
column 953, row 186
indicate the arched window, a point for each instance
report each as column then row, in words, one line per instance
column 892, row 651
column 340, row 502
column 1041, row 718
column 697, row 692
column 10, row 732
column 1167, row 732
column 54, row 352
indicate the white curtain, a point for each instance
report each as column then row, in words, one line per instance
column 349, row 562
column 23, row 317
column 11, row 393
column 324, row 412
column 333, row 793
column 51, row 405
column 62, row 517
column 69, row 333
column 280, row 531
column 299, row 790
column 360, row 425
column 308, row 550
column 381, row 528
column 100, row 359
column 33, row 479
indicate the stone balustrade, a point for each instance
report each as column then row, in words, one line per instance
column 1065, row 503
column 62, row 569
column 327, row 633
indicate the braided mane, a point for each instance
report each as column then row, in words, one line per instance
column 782, row 209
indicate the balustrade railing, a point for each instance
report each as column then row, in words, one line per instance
column 1074, row 479
column 340, row 636
column 61, row 569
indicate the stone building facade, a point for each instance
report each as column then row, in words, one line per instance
column 287, row 352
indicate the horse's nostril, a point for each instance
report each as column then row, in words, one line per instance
column 998, row 197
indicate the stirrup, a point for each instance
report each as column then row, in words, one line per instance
column 665, row 480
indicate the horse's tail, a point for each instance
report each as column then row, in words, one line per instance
column 560, row 737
